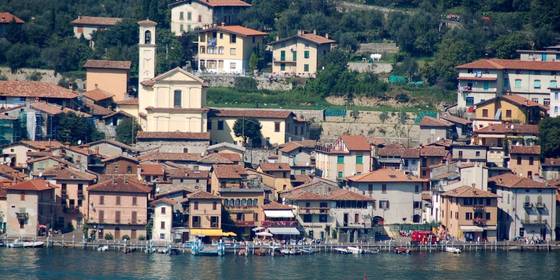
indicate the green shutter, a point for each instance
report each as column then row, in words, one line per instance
column 340, row 159
column 359, row 159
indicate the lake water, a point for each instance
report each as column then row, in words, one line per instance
column 56, row 263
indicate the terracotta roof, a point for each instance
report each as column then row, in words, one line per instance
column 522, row 101
column 215, row 3
column 313, row 38
column 143, row 135
column 294, row 145
column 410, row 153
column 151, row 169
column 121, row 185
column 551, row 162
column 236, row 29
column 348, row 195
column 108, row 64
column 32, row 185
column 123, row 113
column 160, row 156
column 114, row 143
column 304, row 196
column 97, row 95
column 385, row 175
column 130, row 101
column 273, row 205
column 42, row 145
column 469, row 191
column 6, row 17
column 252, row 113
column 164, row 200
column 52, row 109
column 509, row 180
column 229, row 171
column 376, row 141
column 455, row 119
column 101, row 21
column 267, row 166
column 202, row 195
column 215, row 158
column 391, row 151
column 176, row 110
column 97, row 110
column 121, row 157
column 69, row 173
column 231, row 156
column 525, row 150
column 511, row 64
column 147, row 22
column 429, row 121
column 10, row 173
column 34, row 89
column 303, row 178
column 79, row 150
column 509, row 129
column 442, row 143
column 187, row 173
column 356, row 142
column 433, row 151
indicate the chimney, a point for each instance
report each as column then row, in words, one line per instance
column 300, row 32
column 315, row 31
column 327, row 35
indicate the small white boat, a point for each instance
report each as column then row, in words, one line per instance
column 355, row 250
column 372, row 251
column 342, row 251
column 25, row 244
column 453, row 250
column 103, row 248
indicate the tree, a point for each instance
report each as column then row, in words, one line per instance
column 253, row 61
column 71, row 128
column 127, row 130
column 506, row 46
column 248, row 129
column 550, row 137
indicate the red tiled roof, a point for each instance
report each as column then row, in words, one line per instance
column 121, row 185
column 151, row 169
column 551, row 162
column 165, row 200
column 97, row 95
column 509, row 129
column 215, row 3
column 311, row 37
column 303, row 178
column 32, row 185
column 305, row 195
column 410, row 153
column 433, row 151
column 108, row 64
column 34, row 89
column 202, row 195
column 160, row 156
column 176, row 110
column 455, row 119
column 147, row 22
column 525, row 150
column 429, row 121
column 509, row 180
column 236, row 29
column 231, row 156
column 120, row 157
column 143, row 135
column 511, row 64
column 6, row 17
column 273, row 205
column 522, row 101
column 97, row 110
column 267, row 166
column 42, row 145
column 292, row 146
column 385, row 175
column 229, row 171
column 131, row 101
column 356, row 142
column 254, row 113
column 11, row 173
column 348, row 195
column 101, row 21
column 215, row 158
column 469, row 191
column 53, row 109
column 187, row 173
column 69, row 173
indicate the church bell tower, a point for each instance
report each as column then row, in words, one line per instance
column 146, row 51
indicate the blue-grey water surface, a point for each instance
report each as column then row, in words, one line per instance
column 56, row 263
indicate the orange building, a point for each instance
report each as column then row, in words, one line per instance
column 108, row 75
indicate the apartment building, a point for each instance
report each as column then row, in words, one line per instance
column 205, row 215
column 190, row 15
column 349, row 155
column 108, row 77
column 525, row 161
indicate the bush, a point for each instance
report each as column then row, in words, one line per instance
column 142, row 238
column 126, row 237
column 108, row 236
column 245, row 84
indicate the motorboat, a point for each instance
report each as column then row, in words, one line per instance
column 371, row 251
column 402, row 251
column 453, row 250
column 343, row 251
column 355, row 250
column 103, row 248
column 25, row 244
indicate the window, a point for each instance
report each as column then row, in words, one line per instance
column 384, row 188
column 196, row 221
column 177, row 94
column 101, row 199
column 147, row 37
column 118, row 217
column 282, row 67
column 485, row 113
column 220, row 125
column 370, row 188
column 517, row 83
column 518, row 160
column 195, row 205
column 294, row 55
column 553, row 84
column 477, row 153
column 233, row 38
column 118, row 200
column 340, row 174
column 181, row 28
column 356, row 218
column 232, row 65
column 508, row 113
column 488, row 215
column 306, row 68
column 468, row 216
column 531, row 160
column 22, row 196
column 214, row 205
column 323, row 218
column 199, row 18
column 189, row 16
column 133, row 217
column 340, row 159
column 417, row 205
column 305, row 54
column 460, row 154
column 214, row 221
column 233, row 51
column 134, row 200
column 162, row 236
column 416, row 189
column 307, row 218
column 359, row 159
column 181, row 15
column 282, row 55
column 101, row 216
column 537, row 84
column 383, row 204
column 276, row 127
column 486, row 85
column 469, row 101
column 546, row 101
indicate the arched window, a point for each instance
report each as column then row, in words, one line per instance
column 147, row 37
column 232, row 202
column 539, row 199
column 249, row 202
column 226, row 202
column 237, row 202
column 255, row 202
column 527, row 199
column 244, row 202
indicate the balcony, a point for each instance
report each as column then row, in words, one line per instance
column 279, row 223
column 527, row 205
column 244, row 223
column 277, row 61
column 535, row 221
column 22, row 216
column 314, row 210
column 540, row 205
column 479, row 221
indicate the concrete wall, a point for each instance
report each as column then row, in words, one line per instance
column 113, row 81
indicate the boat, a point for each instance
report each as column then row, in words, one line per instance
column 355, row 250
column 402, row 251
column 343, row 251
column 199, row 249
column 103, row 248
column 371, row 251
column 453, row 250
column 25, row 244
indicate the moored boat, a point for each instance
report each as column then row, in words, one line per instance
column 343, row 251
column 453, row 250
column 402, row 250
column 355, row 250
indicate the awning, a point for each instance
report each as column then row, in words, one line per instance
column 279, row 213
column 472, row 229
column 211, row 232
column 284, row 231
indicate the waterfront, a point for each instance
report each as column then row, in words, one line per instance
column 57, row 263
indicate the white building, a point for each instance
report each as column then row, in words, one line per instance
column 163, row 220
column 527, row 208
column 86, row 26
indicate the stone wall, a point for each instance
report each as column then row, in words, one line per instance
column 197, row 147
column 263, row 82
column 22, row 74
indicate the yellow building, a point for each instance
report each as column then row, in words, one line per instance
column 510, row 108
column 525, row 161
column 470, row 214
column 301, row 54
column 108, row 75
column 278, row 126
column 227, row 49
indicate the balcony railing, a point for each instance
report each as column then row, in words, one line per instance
column 279, row 223
column 479, row 221
column 244, row 223
column 535, row 221
column 540, row 205
column 22, row 216
column 314, row 210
